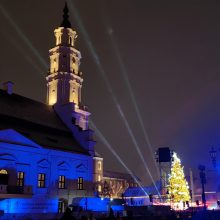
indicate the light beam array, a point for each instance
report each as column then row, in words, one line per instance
column 108, row 85
column 131, row 93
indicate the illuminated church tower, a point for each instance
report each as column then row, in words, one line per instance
column 64, row 80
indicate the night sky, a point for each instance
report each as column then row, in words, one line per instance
column 167, row 51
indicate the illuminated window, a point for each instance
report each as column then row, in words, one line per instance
column 41, row 180
column 3, row 172
column 99, row 165
column 58, row 40
column 80, row 183
column 61, row 183
column 20, row 178
column 99, row 188
column 99, row 178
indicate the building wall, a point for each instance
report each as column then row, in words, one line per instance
column 35, row 160
column 98, row 173
column 116, row 186
column 109, row 183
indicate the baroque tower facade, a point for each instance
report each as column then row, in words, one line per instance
column 64, row 80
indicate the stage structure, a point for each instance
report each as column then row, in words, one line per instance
column 164, row 159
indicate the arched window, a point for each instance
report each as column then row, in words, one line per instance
column 58, row 39
column 3, row 172
column 3, row 177
column 71, row 41
column 99, row 165
column 99, row 178
column 54, row 64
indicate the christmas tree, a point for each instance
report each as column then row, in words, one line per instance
column 178, row 186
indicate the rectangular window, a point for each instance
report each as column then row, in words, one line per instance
column 99, row 188
column 20, row 178
column 61, row 183
column 99, row 178
column 41, row 180
column 80, row 183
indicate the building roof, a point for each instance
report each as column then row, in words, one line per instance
column 138, row 191
column 97, row 155
column 37, row 121
column 118, row 175
column 142, row 191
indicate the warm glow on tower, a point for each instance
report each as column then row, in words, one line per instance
column 64, row 81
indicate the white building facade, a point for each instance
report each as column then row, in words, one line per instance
column 47, row 150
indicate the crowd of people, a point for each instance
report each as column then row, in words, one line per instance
column 81, row 215
column 88, row 215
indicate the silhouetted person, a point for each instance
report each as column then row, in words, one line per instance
column 91, row 217
column 67, row 215
column 111, row 214
column 118, row 215
column 130, row 214
column 79, row 214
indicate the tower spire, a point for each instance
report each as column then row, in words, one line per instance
column 65, row 23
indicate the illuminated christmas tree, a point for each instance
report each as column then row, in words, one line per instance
column 178, row 186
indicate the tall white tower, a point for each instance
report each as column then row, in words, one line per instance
column 64, row 80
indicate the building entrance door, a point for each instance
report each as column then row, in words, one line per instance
column 62, row 204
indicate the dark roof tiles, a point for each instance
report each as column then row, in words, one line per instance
column 30, row 110
column 37, row 121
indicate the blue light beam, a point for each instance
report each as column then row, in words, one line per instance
column 107, row 144
column 127, row 82
column 23, row 36
column 136, row 146
column 28, row 58
column 103, row 74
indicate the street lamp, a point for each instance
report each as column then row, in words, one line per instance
column 212, row 154
column 203, row 182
